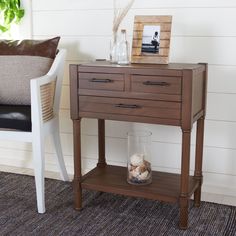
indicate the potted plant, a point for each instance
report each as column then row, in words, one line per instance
column 11, row 13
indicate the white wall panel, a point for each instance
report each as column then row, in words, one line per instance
column 139, row 4
column 24, row 159
column 66, row 79
column 91, row 22
column 222, row 79
column 66, row 140
column 162, row 155
column 186, row 22
column 219, row 183
column 25, row 27
column 182, row 49
column 203, row 49
column 63, row 5
column 65, row 97
column 217, row 133
column 86, row 48
column 220, row 134
column 65, row 121
column 222, row 163
column 221, row 106
column 88, row 23
column 183, row 3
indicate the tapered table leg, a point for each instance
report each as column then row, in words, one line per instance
column 198, row 160
column 77, row 164
column 184, row 198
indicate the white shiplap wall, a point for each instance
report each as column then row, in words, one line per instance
column 202, row 31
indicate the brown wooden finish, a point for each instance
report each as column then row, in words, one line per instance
column 187, row 101
column 155, row 84
column 199, row 141
column 198, row 84
column 183, row 217
column 74, row 103
column 141, row 119
column 184, row 184
column 151, row 19
column 129, row 94
column 205, row 75
column 110, row 68
column 77, row 164
column 173, row 94
column 198, row 160
column 172, row 69
column 128, row 107
column 101, row 81
column 164, row 186
column 162, row 57
column 101, row 143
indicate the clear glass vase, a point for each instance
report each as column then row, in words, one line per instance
column 139, row 170
column 114, row 49
column 123, row 49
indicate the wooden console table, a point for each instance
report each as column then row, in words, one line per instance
column 173, row 94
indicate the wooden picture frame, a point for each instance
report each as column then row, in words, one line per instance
column 151, row 39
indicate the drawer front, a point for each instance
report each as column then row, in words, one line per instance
column 101, row 81
column 130, row 107
column 155, row 84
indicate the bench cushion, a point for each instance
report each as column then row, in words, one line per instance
column 15, row 117
column 21, row 61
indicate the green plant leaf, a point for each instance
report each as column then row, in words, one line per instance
column 3, row 28
column 10, row 13
column 9, row 16
column 17, row 2
column 19, row 14
column 2, row 5
column 14, row 5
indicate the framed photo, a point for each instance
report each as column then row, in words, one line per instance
column 151, row 39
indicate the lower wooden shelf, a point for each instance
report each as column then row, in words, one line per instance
column 164, row 186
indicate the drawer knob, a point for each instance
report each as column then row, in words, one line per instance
column 156, row 83
column 120, row 105
column 95, row 80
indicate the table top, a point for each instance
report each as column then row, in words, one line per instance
column 170, row 66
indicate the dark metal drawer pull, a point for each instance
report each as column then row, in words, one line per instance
column 156, row 83
column 127, row 106
column 101, row 80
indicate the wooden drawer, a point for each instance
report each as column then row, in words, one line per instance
column 156, row 84
column 101, row 81
column 130, row 107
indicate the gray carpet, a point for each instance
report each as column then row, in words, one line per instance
column 103, row 214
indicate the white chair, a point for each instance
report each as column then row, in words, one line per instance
column 45, row 101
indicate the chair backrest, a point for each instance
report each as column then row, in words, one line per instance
column 58, row 67
column 46, row 91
